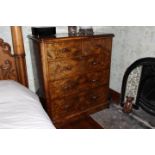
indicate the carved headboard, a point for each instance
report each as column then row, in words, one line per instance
column 13, row 66
column 7, row 63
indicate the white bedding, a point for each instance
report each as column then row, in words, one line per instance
column 21, row 108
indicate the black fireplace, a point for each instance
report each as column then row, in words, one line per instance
column 146, row 89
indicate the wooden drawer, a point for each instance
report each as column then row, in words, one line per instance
column 78, row 83
column 70, row 106
column 96, row 62
column 65, row 68
column 96, row 79
column 64, row 49
column 66, row 87
column 80, row 65
column 95, row 97
column 96, row 46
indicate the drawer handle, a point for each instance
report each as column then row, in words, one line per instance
column 67, row 68
column 94, row 97
column 67, row 106
column 67, row 87
column 80, row 58
column 93, row 80
column 65, row 50
column 72, row 85
column 94, row 63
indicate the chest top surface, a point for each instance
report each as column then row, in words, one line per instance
column 65, row 36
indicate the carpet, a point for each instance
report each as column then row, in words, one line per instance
column 114, row 118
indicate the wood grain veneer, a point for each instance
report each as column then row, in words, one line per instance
column 74, row 74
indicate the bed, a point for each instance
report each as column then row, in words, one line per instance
column 20, row 108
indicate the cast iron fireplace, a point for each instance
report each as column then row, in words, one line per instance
column 146, row 90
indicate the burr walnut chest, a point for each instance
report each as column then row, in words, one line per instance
column 72, row 73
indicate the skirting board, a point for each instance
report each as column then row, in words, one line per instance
column 115, row 96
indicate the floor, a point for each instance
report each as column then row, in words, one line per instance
column 83, row 123
column 114, row 118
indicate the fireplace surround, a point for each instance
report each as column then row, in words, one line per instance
column 145, row 92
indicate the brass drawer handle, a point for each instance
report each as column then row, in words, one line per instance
column 94, row 80
column 94, row 97
column 67, row 87
column 67, row 106
column 80, row 58
column 72, row 85
column 94, row 63
column 67, row 68
column 65, row 50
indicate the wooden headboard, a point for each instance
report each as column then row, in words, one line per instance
column 7, row 63
column 13, row 66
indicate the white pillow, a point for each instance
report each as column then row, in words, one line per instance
column 12, row 90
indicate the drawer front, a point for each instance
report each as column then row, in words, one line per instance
column 78, row 83
column 70, row 106
column 97, row 62
column 69, row 67
column 66, row 87
column 65, row 68
column 95, row 97
column 96, row 79
column 64, row 49
column 96, row 46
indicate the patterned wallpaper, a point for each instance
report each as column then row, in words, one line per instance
column 130, row 43
column 133, row 83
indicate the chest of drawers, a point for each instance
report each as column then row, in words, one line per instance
column 72, row 73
